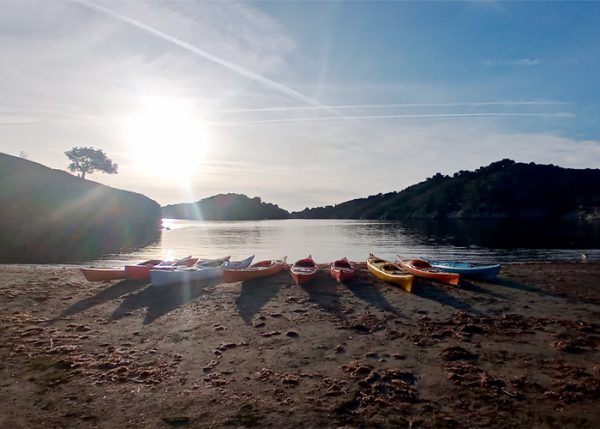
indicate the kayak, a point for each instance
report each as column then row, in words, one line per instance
column 237, row 265
column 390, row 272
column 204, row 269
column 421, row 268
column 304, row 270
column 142, row 271
column 103, row 274
column 255, row 271
column 468, row 269
column 342, row 270
column 107, row 274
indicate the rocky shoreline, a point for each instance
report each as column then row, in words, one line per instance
column 521, row 352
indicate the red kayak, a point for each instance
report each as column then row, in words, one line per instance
column 342, row 270
column 304, row 270
column 103, row 274
column 142, row 271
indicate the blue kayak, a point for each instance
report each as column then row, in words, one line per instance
column 467, row 269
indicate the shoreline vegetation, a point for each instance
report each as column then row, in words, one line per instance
column 503, row 190
column 50, row 216
column 520, row 352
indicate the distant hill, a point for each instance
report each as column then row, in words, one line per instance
column 225, row 207
column 504, row 189
column 50, row 216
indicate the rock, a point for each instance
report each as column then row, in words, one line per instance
column 457, row 353
column 270, row 334
column 226, row 346
column 339, row 348
column 291, row 333
column 290, row 379
column 567, row 346
column 472, row 329
column 453, row 376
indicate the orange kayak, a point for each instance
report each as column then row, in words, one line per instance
column 424, row 269
column 304, row 270
column 342, row 270
column 255, row 271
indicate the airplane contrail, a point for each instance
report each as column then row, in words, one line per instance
column 394, row 105
column 236, row 68
column 432, row 115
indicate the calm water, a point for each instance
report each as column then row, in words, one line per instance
column 327, row 240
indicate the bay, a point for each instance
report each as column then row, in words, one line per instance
column 327, row 240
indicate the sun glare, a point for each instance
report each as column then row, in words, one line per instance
column 167, row 139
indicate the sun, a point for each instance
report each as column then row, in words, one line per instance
column 166, row 138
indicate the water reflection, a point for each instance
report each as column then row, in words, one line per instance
column 505, row 234
column 328, row 240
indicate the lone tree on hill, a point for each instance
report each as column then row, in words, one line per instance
column 87, row 160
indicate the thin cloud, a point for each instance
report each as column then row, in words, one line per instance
column 408, row 116
column 393, row 105
column 526, row 62
column 236, row 68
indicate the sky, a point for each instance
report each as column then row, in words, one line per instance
column 303, row 104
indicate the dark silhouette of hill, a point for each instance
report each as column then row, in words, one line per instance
column 225, row 207
column 50, row 216
column 501, row 190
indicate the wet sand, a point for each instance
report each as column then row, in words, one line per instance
column 522, row 352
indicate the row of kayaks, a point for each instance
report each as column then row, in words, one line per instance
column 186, row 270
column 403, row 271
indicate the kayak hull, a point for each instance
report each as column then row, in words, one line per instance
column 204, row 269
column 256, row 271
column 304, row 270
column 103, row 274
column 342, row 270
column 467, row 269
column 423, row 269
column 167, row 277
column 390, row 272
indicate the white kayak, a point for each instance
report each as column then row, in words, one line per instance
column 204, row 269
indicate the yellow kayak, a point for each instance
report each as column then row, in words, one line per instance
column 390, row 272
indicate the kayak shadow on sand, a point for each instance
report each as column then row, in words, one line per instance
column 436, row 292
column 367, row 290
column 256, row 294
column 160, row 300
column 114, row 291
column 472, row 287
column 520, row 286
column 323, row 290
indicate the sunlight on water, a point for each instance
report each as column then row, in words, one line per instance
column 328, row 240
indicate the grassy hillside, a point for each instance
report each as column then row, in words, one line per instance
column 503, row 189
column 49, row 215
column 225, row 207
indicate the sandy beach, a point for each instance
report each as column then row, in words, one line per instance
column 521, row 352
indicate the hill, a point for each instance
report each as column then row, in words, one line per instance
column 503, row 189
column 225, row 207
column 50, row 216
